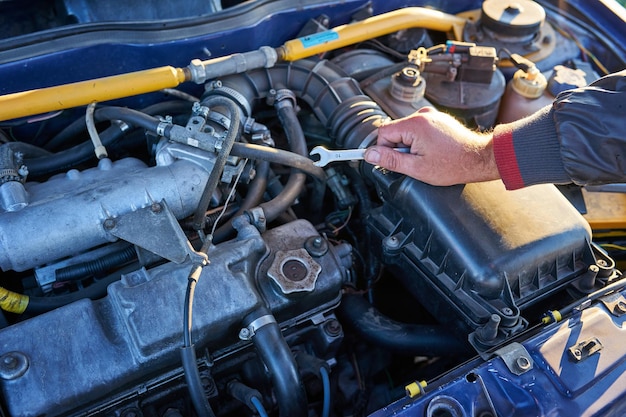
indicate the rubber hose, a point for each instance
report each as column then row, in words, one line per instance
column 278, row 156
column 297, row 143
column 402, row 338
column 78, row 126
column 276, row 355
column 133, row 117
column 96, row 266
column 28, row 150
column 351, row 117
column 220, row 161
column 71, row 157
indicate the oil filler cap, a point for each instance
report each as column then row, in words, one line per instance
column 519, row 18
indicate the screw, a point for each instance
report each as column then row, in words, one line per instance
column 507, row 311
column 577, row 353
column 522, row 363
column 317, row 242
column 392, row 242
column 332, row 328
column 109, row 224
column 620, row 307
column 156, row 207
column 245, row 334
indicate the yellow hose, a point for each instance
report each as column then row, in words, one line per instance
column 373, row 27
column 13, row 302
column 66, row 96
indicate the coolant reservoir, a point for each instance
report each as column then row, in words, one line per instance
column 525, row 93
column 529, row 91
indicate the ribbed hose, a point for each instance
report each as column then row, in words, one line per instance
column 403, row 338
column 220, row 161
column 96, row 266
column 336, row 99
column 275, row 354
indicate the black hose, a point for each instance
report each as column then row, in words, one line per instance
column 220, row 160
column 402, row 338
column 276, row 355
column 278, row 156
column 297, row 143
column 78, row 126
column 26, row 149
column 133, row 117
column 71, row 157
column 351, row 117
column 96, row 266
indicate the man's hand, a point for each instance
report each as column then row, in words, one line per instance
column 443, row 151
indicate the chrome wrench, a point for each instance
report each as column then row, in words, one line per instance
column 335, row 155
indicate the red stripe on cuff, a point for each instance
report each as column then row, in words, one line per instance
column 504, row 153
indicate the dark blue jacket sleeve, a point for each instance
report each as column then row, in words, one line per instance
column 580, row 138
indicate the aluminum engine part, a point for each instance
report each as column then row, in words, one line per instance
column 66, row 214
column 86, row 348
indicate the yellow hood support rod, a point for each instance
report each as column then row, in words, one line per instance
column 81, row 93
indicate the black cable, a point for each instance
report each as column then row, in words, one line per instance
column 220, row 161
column 188, row 351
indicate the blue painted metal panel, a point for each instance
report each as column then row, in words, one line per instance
column 557, row 384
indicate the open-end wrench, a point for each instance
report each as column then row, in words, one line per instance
column 335, row 155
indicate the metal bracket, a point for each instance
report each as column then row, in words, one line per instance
column 582, row 350
column 516, row 358
column 155, row 229
column 615, row 303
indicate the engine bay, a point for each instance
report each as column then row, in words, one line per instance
column 169, row 248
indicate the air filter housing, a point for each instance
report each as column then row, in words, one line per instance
column 477, row 255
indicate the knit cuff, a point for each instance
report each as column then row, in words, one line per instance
column 528, row 151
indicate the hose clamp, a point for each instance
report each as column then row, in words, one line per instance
column 161, row 127
column 249, row 331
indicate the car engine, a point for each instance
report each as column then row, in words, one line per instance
column 170, row 246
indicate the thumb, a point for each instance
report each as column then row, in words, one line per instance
column 390, row 159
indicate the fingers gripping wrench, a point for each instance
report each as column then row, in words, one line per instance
column 335, row 155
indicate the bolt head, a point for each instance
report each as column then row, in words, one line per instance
column 523, row 363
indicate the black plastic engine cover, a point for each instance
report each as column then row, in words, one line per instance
column 476, row 255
